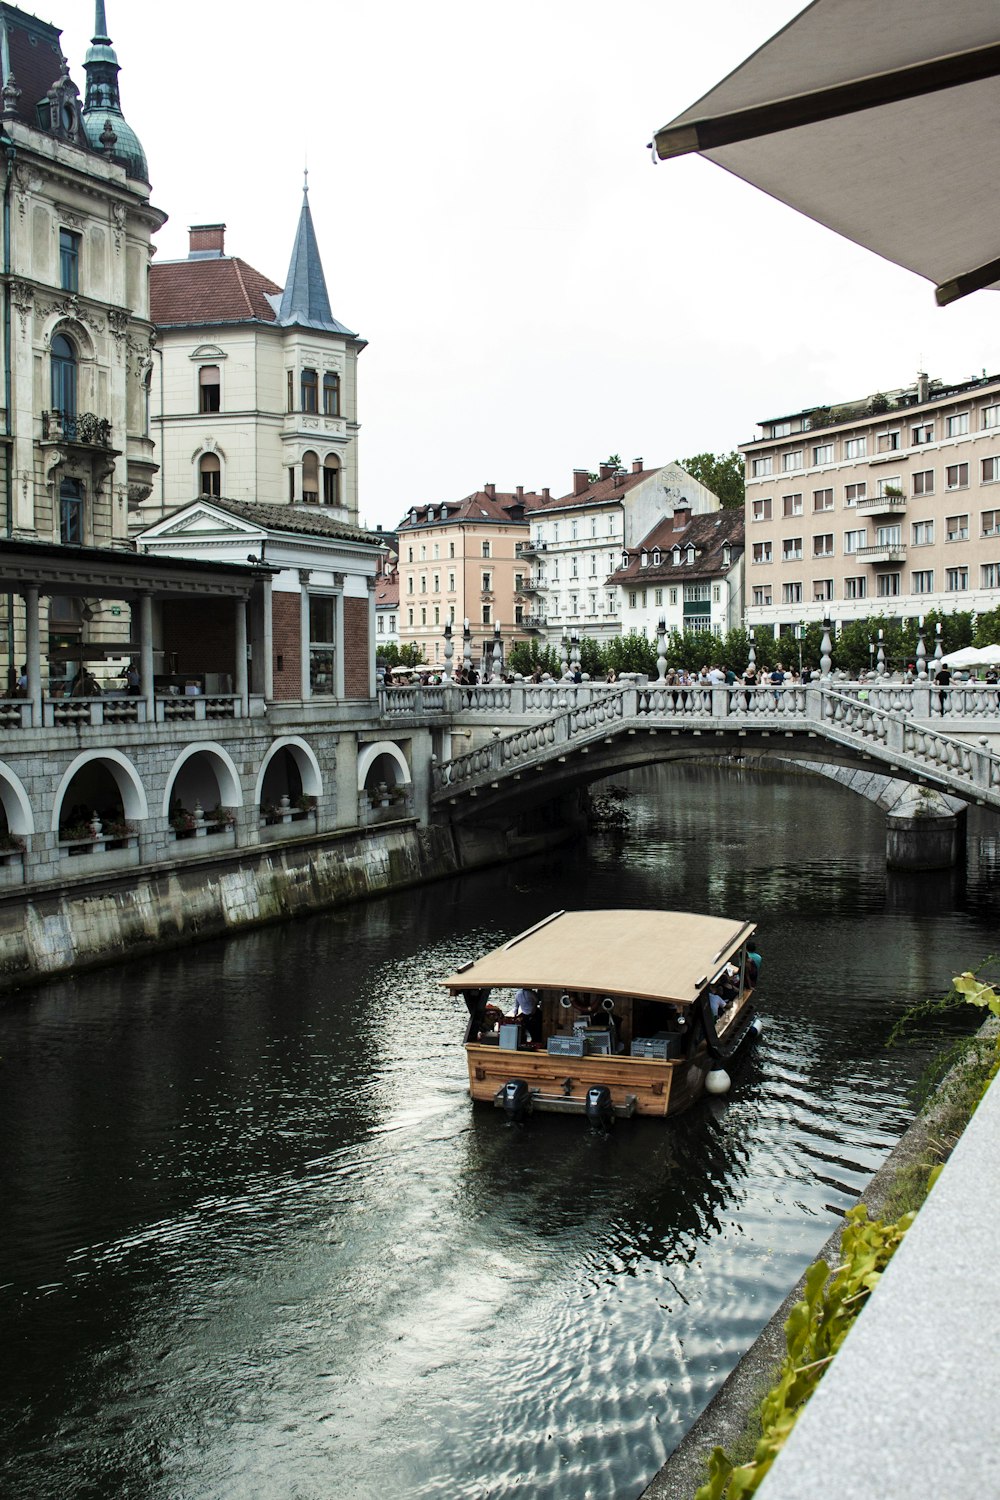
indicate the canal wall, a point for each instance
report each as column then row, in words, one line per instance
column 112, row 917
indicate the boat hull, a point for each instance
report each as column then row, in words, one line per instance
column 639, row 1085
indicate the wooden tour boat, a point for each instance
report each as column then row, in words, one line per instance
column 636, row 1013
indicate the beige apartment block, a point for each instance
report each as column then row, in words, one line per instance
column 461, row 560
column 886, row 506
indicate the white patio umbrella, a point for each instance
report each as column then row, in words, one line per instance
column 972, row 656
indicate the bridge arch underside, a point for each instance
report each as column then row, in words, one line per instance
column 925, row 823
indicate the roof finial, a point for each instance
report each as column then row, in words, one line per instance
column 100, row 23
column 305, row 182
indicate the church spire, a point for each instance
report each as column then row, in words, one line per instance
column 305, row 302
column 102, row 105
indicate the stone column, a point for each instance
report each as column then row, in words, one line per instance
column 339, row 678
column 146, row 655
column 304, row 633
column 33, row 654
column 242, row 681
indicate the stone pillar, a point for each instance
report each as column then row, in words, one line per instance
column 304, row 634
column 242, row 680
column 339, row 678
column 33, row 654
column 923, row 832
column 146, row 655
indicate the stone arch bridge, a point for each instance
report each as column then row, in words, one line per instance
column 923, row 754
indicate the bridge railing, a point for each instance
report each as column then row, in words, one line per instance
column 850, row 715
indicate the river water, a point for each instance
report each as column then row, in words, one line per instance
column 257, row 1242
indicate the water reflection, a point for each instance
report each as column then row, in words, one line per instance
column 259, row 1242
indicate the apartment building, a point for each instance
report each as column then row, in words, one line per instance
column 688, row 572
column 885, row 506
column 461, row 560
column 577, row 543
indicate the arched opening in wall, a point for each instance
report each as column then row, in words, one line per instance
column 331, row 480
column 209, row 475
column 15, row 820
column 198, row 796
column 290, row 786
column 64, row 382
column 92, row 810
column 384, row 776
column 310, row 478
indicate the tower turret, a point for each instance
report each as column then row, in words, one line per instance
column 102, row 110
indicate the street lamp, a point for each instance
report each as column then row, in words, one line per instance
column 871, row 656
column 826, row 649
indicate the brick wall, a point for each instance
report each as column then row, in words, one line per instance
column 286, row 637
column 357, row 682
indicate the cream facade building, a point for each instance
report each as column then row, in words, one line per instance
column 255, row 397
column 462, row 560
column 577, row 543
column 889, row 506
column 78, row 339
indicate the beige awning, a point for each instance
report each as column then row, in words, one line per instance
column 651, row 955
column 879, row 120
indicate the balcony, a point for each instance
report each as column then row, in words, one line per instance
column 532, row 583
column 533, row 622
column 891, row 503
column 87, row 428
column 882, row 552
column 530, row 549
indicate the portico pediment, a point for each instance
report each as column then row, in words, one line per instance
column 201, row 519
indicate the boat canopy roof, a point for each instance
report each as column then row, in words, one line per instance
column 651, row 955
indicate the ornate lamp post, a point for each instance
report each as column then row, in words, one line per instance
column 497, row 669
column 921, row 651
column 449, row 650
column 661, row 659
column 880, row 665
column 466, row 648
column 800, row 631
column 938, row 648
column 826, row 650
column 871, row 656
column 574, row 652
column 564, row 653
column 752, row 653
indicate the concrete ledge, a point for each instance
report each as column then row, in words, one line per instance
column 724, row 1420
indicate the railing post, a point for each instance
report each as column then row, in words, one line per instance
column 720, row 701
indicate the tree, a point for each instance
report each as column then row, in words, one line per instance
column 721, row 473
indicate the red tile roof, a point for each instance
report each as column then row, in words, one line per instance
column 478, row 506
column 35, row 58
column 603, row 490
column 709, row 533
column 387, row 592
column 221, row 289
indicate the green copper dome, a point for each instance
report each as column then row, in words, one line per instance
column 102, row 106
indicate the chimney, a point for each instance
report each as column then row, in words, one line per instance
column 545, row 493
column 682, row 514
column 581, row 481
column 207, row 239
column 490, row 490
column 637, row 466
column 607, row 470
column 520, row 492
column 923, row 387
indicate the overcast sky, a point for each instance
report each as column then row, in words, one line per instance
column 535, row 293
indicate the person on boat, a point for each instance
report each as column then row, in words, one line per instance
column 754, row 962
column 717, row 1002
column 528, row 1014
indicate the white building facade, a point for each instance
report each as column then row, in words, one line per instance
column 576, row 545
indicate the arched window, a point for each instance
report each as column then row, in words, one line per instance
column 310, row 478
column 209, row 388
column 209, row 475
column 331, row 394
column 64, row 377
column 310, row 391
column 71, row 512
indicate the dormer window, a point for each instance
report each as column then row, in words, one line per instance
column 413, row 516
column 727, row 555
column 624, row 559
column 430, row 512
column 656, row 557
column 444, row 512
column 676, row 557
column 690, row 553
column 643, row 558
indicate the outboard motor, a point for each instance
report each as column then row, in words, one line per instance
column 516, row 1098
column 600, row 1110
